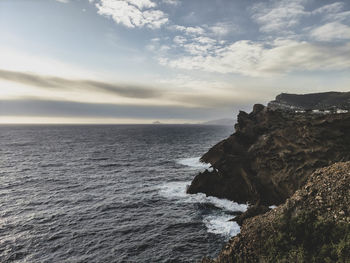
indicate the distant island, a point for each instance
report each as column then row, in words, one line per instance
column 286, row 154
column 156, row 122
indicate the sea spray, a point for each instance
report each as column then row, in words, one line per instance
column 217, row 222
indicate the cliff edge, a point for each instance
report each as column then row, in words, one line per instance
column 272, row 153
column 295, row 153
column 326, row 101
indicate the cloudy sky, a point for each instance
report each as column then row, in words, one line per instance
column 137, row 61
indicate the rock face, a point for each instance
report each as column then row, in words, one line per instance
column 311, row 226
column 314, row 101
column 272, row 153
column 286, row 155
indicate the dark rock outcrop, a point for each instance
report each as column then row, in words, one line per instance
column 271, row 155
column 252, row 211
column 311, row 226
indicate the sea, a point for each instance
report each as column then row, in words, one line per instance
column 109, row 193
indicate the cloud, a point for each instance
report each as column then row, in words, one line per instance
column 188, row 98
column 202, row 50
column 21, row 61
column 221, row 29
column 281, row 17
column 179, row 40
column 195, row 44
column 58, row 108
column 198, row 48
column 339, row 17
column 133, row 13
column 128, row 91
column 63, row 1
column 330, row 8
column 210, row 101
column 197, row 30
column 278, row 16
column 331, row 32
column 333, row 13
column 171, row 2
column 258, row 59
column 205, row 40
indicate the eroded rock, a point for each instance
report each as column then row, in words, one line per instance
column 271, row 155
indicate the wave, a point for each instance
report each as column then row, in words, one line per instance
column 174, row 190
column 106, row 165
column 48, row 165
column 99, row 159
column 193, row 162
column 177, row 190
column 20, row 144
column 217, row 224
column 220, row 224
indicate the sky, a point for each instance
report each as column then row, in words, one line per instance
column 173, row 61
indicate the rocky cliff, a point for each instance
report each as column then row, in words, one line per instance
column 272, row 153
column 326, row 101
column 296, row 159
column 311, row 226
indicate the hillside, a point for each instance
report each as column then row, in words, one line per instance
column 314, row 101
column 311, row 226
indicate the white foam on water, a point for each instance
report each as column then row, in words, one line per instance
column 174, row 190
column 177, row 190
column 227, row 204
column 220, row 225
column 194, row 163
column 217, row 224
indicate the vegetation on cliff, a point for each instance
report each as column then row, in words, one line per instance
column 311, row 226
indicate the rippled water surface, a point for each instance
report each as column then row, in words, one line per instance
column 108, row 194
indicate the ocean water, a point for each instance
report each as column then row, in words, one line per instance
column 108, row 194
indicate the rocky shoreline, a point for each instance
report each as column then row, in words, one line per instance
column 293, row 155
column 311, row 226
